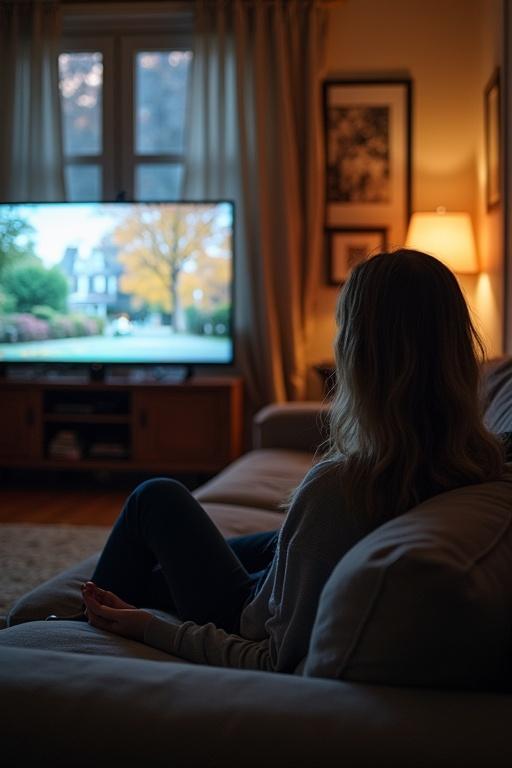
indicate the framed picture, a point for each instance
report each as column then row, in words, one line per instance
column 492, row 119
column 368, row 155
column 347, row 247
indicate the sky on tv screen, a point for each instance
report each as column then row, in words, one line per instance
column 116, row 282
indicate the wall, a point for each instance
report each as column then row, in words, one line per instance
column 449, row 49
column 488, row 297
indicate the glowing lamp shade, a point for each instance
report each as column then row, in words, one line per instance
column 448, row 236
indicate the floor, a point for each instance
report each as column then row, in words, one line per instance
column 75, row 499
column 73, row 506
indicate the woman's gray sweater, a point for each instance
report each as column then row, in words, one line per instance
column 276, row 625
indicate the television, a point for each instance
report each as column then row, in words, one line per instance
column 116, row 283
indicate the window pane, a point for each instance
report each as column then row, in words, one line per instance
column 158, row 182
column 160, row 100
column 81, row 82
column 83, row 182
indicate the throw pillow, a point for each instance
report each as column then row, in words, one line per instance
column 426, row 599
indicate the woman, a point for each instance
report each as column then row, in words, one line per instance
column 405, row 425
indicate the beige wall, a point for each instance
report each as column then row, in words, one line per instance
column 449, row 49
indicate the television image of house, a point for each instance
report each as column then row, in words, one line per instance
column 94, row 281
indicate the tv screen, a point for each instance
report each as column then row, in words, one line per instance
column 108, row 283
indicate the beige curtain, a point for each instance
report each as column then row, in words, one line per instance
column 255, row 137
column 31, row 166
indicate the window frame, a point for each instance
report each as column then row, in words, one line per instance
column 105, row 159
column 118, row 34
column 130, row 46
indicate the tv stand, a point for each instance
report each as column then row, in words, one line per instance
column 169, row 374
column 157, row 425
column 97, row 372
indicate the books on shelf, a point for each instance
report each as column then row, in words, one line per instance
column 65, row 445
column 108, row 450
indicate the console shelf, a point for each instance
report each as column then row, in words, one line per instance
column 79, row 418
column 195, row 426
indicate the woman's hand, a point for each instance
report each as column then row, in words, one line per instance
column 102, row 596
column 107, row 611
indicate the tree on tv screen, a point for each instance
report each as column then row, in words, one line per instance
column 175, row 256
column 15, row 241
column 31, row 284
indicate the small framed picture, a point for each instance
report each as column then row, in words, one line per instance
column 348, row 246
column 368, row 154
column 492, row 119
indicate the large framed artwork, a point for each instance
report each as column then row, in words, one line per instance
column 492, row 140
column 368, row 155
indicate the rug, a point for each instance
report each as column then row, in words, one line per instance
column 30, row 554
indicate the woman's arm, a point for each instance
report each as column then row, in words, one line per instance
column 204, row 644
column 288, row 626
column 207, row 644
column 291, row 610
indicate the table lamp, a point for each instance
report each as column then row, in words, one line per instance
column 447, row 236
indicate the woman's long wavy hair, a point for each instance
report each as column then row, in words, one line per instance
column 407, row 412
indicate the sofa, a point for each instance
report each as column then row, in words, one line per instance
column 410, row 662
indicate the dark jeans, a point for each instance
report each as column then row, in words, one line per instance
column 165, row 552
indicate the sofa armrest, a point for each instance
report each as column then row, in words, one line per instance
column 298, row 426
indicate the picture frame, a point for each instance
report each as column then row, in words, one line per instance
column 348, row 246
column 368, row 130
column 492, row 129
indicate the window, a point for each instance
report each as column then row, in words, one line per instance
column 82, row 287
column 123, row 102
column 160, row 96
column 100, row 284
column 81, row 93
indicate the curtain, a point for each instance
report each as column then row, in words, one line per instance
column 31, row 165
column 254, row 133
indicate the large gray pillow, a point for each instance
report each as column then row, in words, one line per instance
column 426, row 599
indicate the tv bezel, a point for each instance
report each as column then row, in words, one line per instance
column 97, row 369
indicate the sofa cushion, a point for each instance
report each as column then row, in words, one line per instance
column 234, row 520
column 426, row 599
column 77, row 637
column 60, row 594
column 262, row 479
